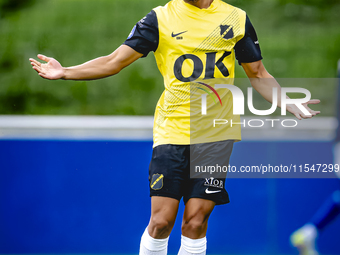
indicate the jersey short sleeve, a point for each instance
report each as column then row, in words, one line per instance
column 247, row 49
column 144, row 36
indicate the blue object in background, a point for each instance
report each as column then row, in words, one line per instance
column 93, row 197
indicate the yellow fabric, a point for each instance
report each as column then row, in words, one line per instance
column 199, row 36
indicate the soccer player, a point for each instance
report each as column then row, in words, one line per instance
column 304, row 239
column 193, row 41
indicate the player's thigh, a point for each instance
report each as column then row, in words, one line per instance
column 195, row 217
column 199, row 209
column 163, row 215
column 164, row 207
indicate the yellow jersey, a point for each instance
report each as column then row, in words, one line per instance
column 195, row 52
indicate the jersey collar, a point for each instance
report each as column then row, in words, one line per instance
column 194, row 9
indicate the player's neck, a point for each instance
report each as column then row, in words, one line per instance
column 202, row 4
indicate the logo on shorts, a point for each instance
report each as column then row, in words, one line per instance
column 212, row 191
column 157, row 181
column 212, row 182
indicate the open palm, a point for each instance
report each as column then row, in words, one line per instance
column 299, row 114
column 51, row 70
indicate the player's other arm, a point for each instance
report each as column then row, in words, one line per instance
column 248, row 54
column 264, row 83
column 94, row 69
column 261, row 80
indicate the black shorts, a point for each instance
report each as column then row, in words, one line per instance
column 169, row 172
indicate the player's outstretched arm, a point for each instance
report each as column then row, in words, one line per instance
column 263, row 83
column 94, row 69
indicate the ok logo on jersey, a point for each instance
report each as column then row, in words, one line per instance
column 199, row 67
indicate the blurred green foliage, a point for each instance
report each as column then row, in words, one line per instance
column 298, row 39
column 324, row 4
column 9, row 6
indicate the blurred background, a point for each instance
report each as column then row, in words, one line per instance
column 298, row 39
column 74, row 155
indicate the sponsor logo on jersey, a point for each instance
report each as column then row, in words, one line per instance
column 157, row 181
column 199, row 67
column 141, row 22
column 227, row 32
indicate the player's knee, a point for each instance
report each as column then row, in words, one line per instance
column 160, row 227
column 195, row 225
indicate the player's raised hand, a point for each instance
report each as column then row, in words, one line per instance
column 293, row 109
column 51, row 70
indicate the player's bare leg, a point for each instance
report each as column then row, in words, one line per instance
column 163, row 215
column 194, row 226
column 304, row 238
column 195, row 217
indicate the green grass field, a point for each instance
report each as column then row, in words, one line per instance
column 296, row 41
